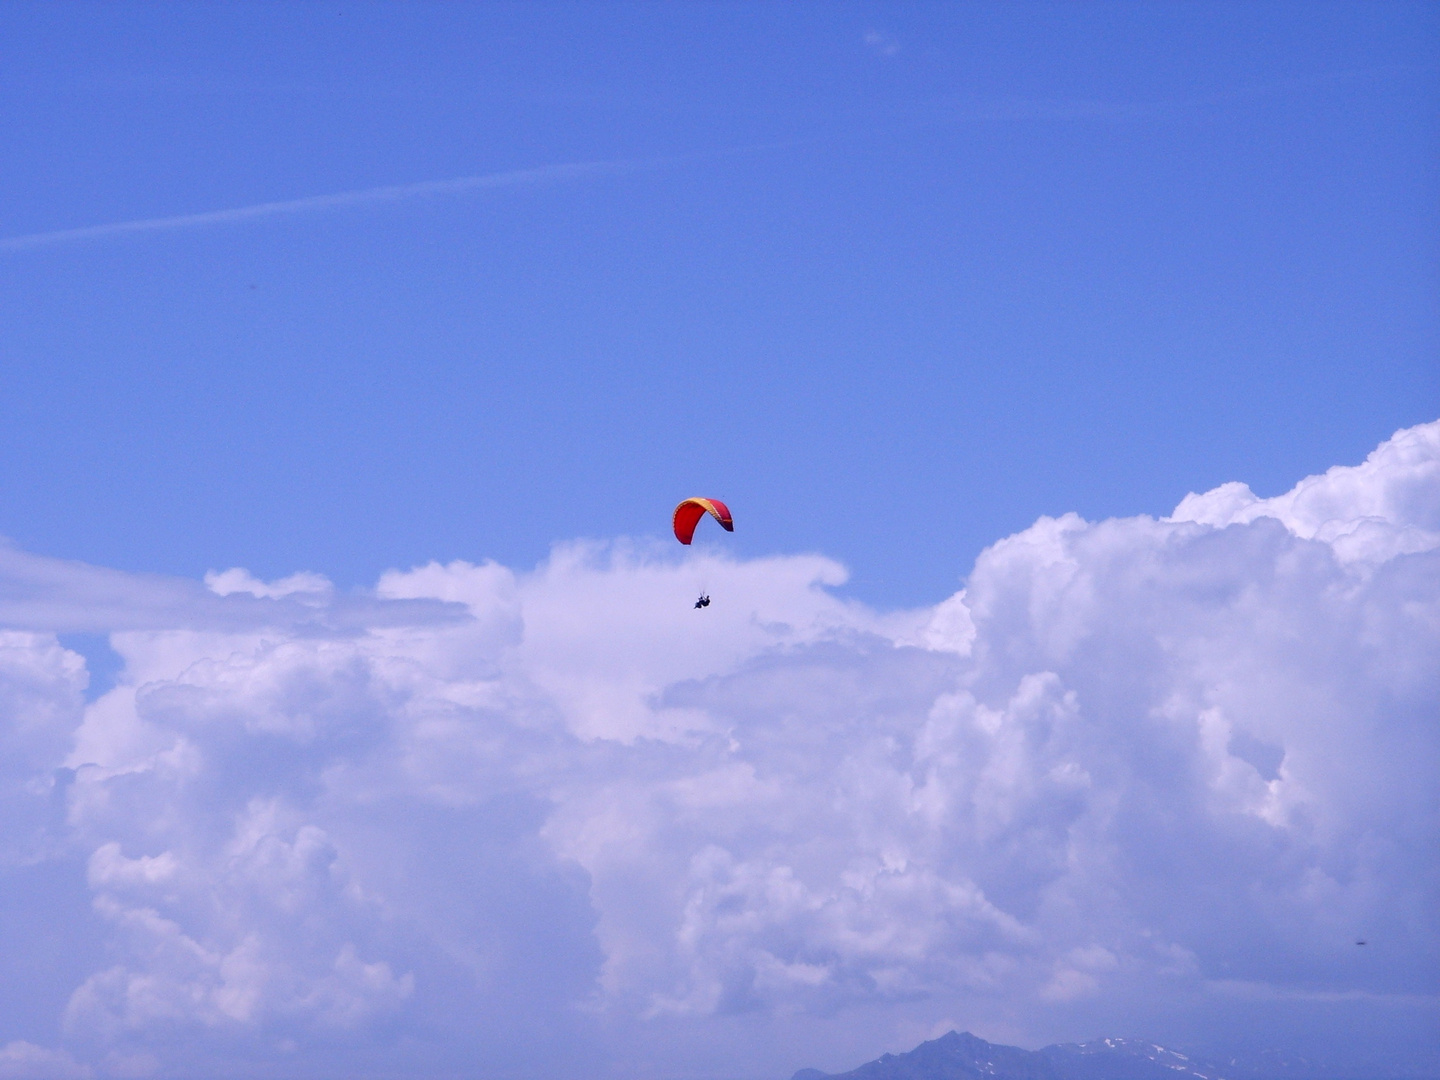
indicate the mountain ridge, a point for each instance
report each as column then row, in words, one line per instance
column 963, row 1056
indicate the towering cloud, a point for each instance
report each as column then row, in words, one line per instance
column 1140, row 776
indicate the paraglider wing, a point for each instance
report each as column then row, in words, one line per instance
column 689, row 513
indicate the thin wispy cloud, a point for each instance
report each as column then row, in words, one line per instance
column 882, row 44
column 320, row 203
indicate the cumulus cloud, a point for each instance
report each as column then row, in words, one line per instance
column 1366, row 514
column 1139, row 774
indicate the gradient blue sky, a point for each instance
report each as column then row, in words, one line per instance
column 844, row 264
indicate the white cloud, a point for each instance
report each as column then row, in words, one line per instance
column 560, row 817
column 1389, row 505
column 21, row 1060
column 239, row 580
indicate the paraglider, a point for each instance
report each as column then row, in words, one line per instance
column 688, row 515
column 690, row 511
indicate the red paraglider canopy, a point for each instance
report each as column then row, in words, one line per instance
column 689, row 513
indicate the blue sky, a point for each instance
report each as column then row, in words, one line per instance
column 854, row 263
column 1070, row 371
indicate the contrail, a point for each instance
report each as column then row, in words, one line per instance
column 336, row 201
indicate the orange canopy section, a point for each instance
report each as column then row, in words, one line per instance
column 689, row 513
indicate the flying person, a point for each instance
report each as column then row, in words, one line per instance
column 688, row 515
